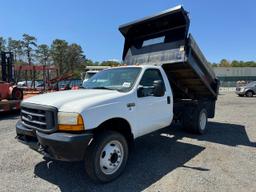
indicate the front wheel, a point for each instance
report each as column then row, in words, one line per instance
column 106, row 157
column 249, row 94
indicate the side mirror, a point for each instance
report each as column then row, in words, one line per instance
column 140, row 91
column 145, row 91
column 158, row 88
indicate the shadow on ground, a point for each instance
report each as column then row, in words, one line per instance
column 9, row 115
column 226, row 134
column 155, row 156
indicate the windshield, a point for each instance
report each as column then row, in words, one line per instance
column 120, row 79
column 251, row 84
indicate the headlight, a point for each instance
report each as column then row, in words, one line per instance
column 241, row 89
column 70, row 122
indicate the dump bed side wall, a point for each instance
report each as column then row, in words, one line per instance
column 188, row 81
column 197, row 60
column 188, row 71
column 193, row 78
column 196, row 50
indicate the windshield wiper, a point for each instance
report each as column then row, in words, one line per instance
column 104, row 88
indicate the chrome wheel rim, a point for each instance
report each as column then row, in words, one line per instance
column 111, row 157
column 249, row 94
column 203, row 120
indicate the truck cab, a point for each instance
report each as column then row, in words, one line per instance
column 166, row 78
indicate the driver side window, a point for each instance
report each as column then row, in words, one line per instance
column 148, row 82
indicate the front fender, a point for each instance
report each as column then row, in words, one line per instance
column 249, row 89
column 95, row 116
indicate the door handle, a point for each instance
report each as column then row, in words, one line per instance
column 168, row 100
column 129, row 105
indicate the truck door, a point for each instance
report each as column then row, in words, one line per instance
column 154, row 112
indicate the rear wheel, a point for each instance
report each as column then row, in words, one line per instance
column 17, row 94
column 195, row 120
column 249, row 94
column 202, row 121
column 106, row 157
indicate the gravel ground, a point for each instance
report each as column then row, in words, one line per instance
column 168, row 160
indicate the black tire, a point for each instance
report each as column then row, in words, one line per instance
column 192, row 118
column 249, row 93
column 95, row 156
column 17, row 94
column 240, row 95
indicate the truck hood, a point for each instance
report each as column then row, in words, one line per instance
column 74, row 100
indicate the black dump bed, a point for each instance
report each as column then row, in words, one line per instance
column 163, row 39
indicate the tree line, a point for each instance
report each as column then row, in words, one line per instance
column 66, row 57
column 234, row 63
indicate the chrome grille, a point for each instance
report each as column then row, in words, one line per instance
column 38, row 117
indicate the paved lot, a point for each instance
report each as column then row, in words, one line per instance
column 168, row 160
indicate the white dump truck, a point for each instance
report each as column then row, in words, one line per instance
column 166, row 78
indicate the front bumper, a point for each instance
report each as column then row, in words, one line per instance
column 240, row 92
column 59, row 146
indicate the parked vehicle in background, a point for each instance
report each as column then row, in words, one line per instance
column 29, row 85
column 10, row 94
column 248, row 90
column 88, row 75
column 166, row 78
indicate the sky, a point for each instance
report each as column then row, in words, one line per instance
column 222, row 28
